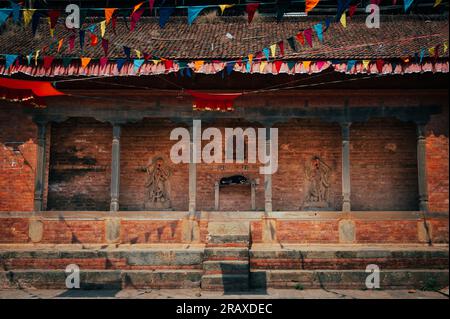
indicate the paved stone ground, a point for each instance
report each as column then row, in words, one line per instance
column 197, row 294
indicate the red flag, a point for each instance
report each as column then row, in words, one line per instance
column 105, row 45
column 380, row 64
column 71, row 42
column 300, row 38
column 251, row 9
column 94, row 40
column 48, row 62
column 351, row 10
column 308, row 36
column 53, row 15
column 281, row 45
column 135, row 16
column 103, row 61
column 168, row 64
column 151, row 4
column 278, row 65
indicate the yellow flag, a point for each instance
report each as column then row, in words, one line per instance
column 225, row 6
column 198, row 64
column 262, row 66
column 109, row 13
column 366, row 64
column 438, row 2
column 445, row 46
column 36, row 57
column 85, row 62
column 138, row 53
column 431, row 51
column 306, row 64
column 102, row 28
column 60, row 43
column 52, row 31
column 27, row 16
column 344, row 20
column 273, row 49
column 136, row 7
column 155, row 62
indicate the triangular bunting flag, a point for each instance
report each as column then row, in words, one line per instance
column 84, row 62
column 94, row 40
column 351, row 10
column 66, row 61
column 164, row 14
column 138, row 53
column 109, row 13
column 53, row 15
column 60, row 43
column 193, row 12
column 230, row 67
column 291, row 42
column 136, row 7
column 35, row 22
column 105, row 45
column 250, row 58
column 308, row 36
column 103, row 61
column 10, row 58
column 273, row 49
column 380, row 64
column 4, row 15
column 278, row 65
column 137, row 63
column 15, row 11
column 120, row 63
column 310, row 4
column 151, row 3
column 438, row 2
column 350, row 65
column 407, row 4
column 266, row 53
column 422, row 55
column 251, row 8
column 262, row 66
column 36, row 56
column 318, row 29
column 366, row 64
column 71, row 42
column 82, row 33
column 343, row 20
column 320, row 65
column 48, row 60
column 27, row 15
column 291, row 65
column 225, row 6
column 135, row 16
column 127, row 51
column 445, row 46
column 306, row 65
column 281, row 46
column 102, row 28
column 198, row 65
column 300, row 38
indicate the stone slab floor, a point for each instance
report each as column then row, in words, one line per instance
column 197, row 294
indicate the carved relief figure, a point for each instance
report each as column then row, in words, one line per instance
column 317, row 174
column 157, row 185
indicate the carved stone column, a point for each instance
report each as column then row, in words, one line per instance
column 115, row 168
column 40, row 167
column 346, row 191
column 421, row 168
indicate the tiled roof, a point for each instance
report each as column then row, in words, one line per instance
column 398, row 36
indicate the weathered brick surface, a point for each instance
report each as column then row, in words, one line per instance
column 383, row 165
column 17, row 160
column 140, row 143
column 14, row 230
column 307, row 231
column 138, row 232
column 386, row 231
column 256, row 231
column 73, row 232
column 80, row 165
column 439, row 230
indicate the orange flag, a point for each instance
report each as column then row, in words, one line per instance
column 60, row 43
column 310, row 4
column 136, row 7
column 109, row 13
column 85, row 62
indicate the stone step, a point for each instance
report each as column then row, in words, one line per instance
column 226, row 253
column 242, row 240
column 226, row 267
column 225, row 282
column 428, row 279
column 102, row 279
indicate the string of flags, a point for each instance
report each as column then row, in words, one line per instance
column 96, row 33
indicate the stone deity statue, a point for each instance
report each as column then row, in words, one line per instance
column 157, row 185
column 317, row 175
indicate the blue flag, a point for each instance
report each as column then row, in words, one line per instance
column 193, row 12
column 120, row 63
column 82, row 33
column 422, row 55
column 10, row 58
column 4, row 15
column 16, row 11
column 127, row 51
column 266, row 53
column 35, row 22
column 350, row 65
column 318, row 29
column 407, row 4
column 137, row 63
column 164, row 14
column 230, row 67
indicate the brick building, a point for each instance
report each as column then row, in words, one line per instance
column 74, row 175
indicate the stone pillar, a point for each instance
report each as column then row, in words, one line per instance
column 268, row 180
column 192, row 173
column 421, row 168
column 115, row 168
column 346, row 205
column 40, row 167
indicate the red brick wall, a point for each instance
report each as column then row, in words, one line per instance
column 17, row 160
column 299, row 141
column 308, row 231
column 383, row 158
column 437, row 162
column 73, row 232
column 140, row 143
column 388, row 231
column 80, row 165
column 142, row 232
column 14, row 230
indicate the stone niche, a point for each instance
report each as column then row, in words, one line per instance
column 157, row 184
column 318, row 179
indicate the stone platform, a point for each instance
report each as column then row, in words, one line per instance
column 217, row 267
